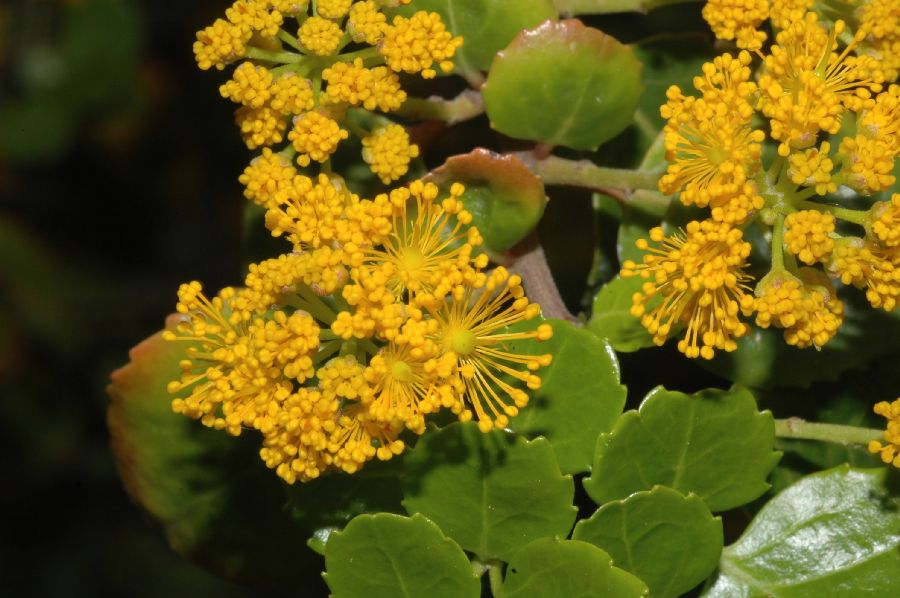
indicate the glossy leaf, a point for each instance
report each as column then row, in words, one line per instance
column 214, row 498
column 485, row 25
column 611, row 317
column 492, row 493
column 551, row 567
column 505, row 198
column 670, row 541
column 562, row 83
column 835, row 533
column 580, row 396
column 392, row 555
column 714, row 443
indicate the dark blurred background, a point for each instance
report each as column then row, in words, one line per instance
column 118, row 167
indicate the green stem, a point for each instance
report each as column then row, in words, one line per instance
column 495, row 576
column 278, row 57
column 596, row 7
column 584, row 173
column 366, row 54
column 289, row 39
column 794, row 427
column 465, row 106
column 855, row 216
column 778, row 244
column 314, row 305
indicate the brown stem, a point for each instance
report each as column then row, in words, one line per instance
column 530, row 262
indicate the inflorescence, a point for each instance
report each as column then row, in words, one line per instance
column 833, row 116
column 384, row 311
column 309, row 76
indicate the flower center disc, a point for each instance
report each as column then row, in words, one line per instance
column 462, row 342
column 401, row 371
column 412, row 259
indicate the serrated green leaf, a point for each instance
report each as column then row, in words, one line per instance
column 835, row 533
column 551, row 567
column 764, row 360
column 505, row 198
column 392, row 555
column 714, row 443
column 670, row 541
column 580, row 396
column 485, row 25
column 611, row 317
column 562, row 83
column 213, row 496
column 491, row 492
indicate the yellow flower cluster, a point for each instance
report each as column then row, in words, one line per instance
column 388, row 152
column 889, row 450
column 382, row 314
column 881, row 19
column 694, row 279
column 311, row 82
column 808, row 85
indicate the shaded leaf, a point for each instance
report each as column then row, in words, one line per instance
column 714, row 443
column 611, row 317
column 491, row 492
column 670, row 541
column 392, row 555
column 550, row 567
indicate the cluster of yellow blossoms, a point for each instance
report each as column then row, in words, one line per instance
column 381, row 315
column 835, row 119
column 889, row 450
column 308, row 71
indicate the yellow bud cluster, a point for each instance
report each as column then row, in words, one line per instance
column 353, row 84
column 389, row 151
column 808, row 235
column 869, row 266
column 366, row 24
column 315, row 136
column 812, row 168
column 382, row 315
column 738, row 20
column 881, row 19
column 889, row 450
column 418, row 44
column 886, row 222
column 333, row 9
column 320, row 36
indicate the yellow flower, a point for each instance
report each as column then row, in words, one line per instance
column 867, row 265
column 260, row 126
column 220, row 44
column 812, row 168
column 885, row 225
column 889, row 450
column 333, row 9
column 311, row 213
column 808, row 235
column 867, row 164
column 266, row 175
column 807, row 85
column 388, row 152
column 352, row 83
column 320, row 36
column 366, row 23
column 249, row 85
column 473, row 327
column 881, row 20
column 784, row 12
column 291, row 94
column 289, row 7
column 429, row 249
column 694, row 279
column 417, row 44
column 296, row 445
column 254, row 16
column 807, row 309
column 315, row 137
column 738, row 19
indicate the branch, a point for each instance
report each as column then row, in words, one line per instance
column 465, row 106
column 530, row 262
column 794, row 427
column 584, row 173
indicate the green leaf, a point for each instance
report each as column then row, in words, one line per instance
column 551, row 567
column 611, row 317
column 392, row 555
column 670, row 541
column 491, row 492
column 714, row 443
column 505, row 198
column 562, row 83
column 764, row 360
column 216, row 501
column 835, row 533
column 485, row 25
column 580, row 396
column 645, row 210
